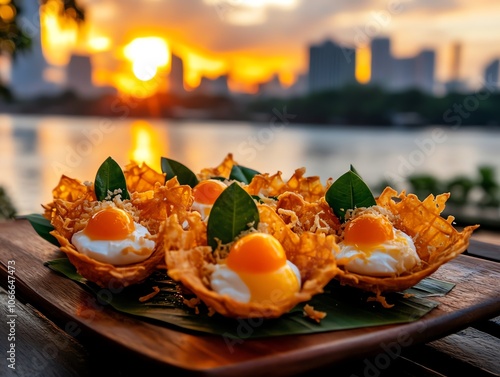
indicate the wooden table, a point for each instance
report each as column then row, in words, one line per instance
column 48, row 342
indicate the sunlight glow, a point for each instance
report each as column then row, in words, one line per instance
column 147, row 55
column 363, row 65
column 7, row 12
column 146, row 145
column 129, row 84
column 99, row 43
column 58, row 35
column 197, row 65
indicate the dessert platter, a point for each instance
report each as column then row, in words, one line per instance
column 230, row 270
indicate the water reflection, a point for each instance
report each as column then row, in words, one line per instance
column 147, row 145
column 36, row 151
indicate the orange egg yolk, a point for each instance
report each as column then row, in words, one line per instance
column 206, row 192
column 110, row 224
column 256, row 253
column 368, row 231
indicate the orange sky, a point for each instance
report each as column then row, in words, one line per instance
column 251, row 40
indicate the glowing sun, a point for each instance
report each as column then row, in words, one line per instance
column 147, row 55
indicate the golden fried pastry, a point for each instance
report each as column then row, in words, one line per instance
column 115, row 243
column 301, row 216
column 235, row 284
column 395, row 244
column 223, row 170
column 310, row 188
column 141, row 177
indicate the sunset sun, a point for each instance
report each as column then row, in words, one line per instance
column 147, row 55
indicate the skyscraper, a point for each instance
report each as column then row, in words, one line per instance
column 381, row 62
column 491, row 75
column 272, row 88
column 403, row 74
column 214, row 87
column 425, row 66
column 27, row 72
column 79, row 76
column 176, row 76
column 331, row 66
column 398, row 74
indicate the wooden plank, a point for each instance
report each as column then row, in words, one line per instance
column 441, row 357
column 40, row 348
column 487, row 236
column 474, row 298
column 483, row 250
column 467, row 344
column 491, row 327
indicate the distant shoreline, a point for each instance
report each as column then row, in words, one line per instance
column 352, row 106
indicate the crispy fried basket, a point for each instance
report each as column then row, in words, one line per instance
column 436, row 239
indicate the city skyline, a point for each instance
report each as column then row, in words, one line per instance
column 252, row 41
column 331, row 66
column 135, row 53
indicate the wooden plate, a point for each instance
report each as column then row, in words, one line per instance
column 475, row 297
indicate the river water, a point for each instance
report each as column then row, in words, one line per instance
column 36, row 150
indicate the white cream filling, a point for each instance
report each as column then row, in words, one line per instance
column 227, row 282
column 117, row 252
column 389, row 258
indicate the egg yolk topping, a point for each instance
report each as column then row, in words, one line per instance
column 260, row 261
column 373, row 247
column 256, row 253
column 206, row 192
column 109, row 224
column 368, row 231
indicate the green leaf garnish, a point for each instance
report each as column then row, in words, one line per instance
column 346, row 307
column 43, row 227
column 173, row 169
column 109, row 178
column 242, row 174
column 349, row 192
column 351, row 168
column 233, row 212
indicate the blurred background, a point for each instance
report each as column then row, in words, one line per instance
column 406, row 91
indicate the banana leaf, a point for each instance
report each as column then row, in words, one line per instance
column 346, row 307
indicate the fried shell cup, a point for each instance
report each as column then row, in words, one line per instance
column 271, row 185
column 74, row 203
column 309, row 187
column 191, row 262
column 436, row 240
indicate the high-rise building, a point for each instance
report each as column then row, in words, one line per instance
column 272, row 88
column 214, row 87
column 331, row 66
column 300, row 87
column 79, row 76
column 415, row 72
column 396, row 74
column 425, row 67
column 27, row 78
column 176, row 76
column 381, row 62
column 491, row 75
column 404, row 74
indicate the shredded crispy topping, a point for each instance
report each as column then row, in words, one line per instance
column 315, row 315
column 149, row 296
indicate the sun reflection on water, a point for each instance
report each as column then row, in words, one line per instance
column 146, row 145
